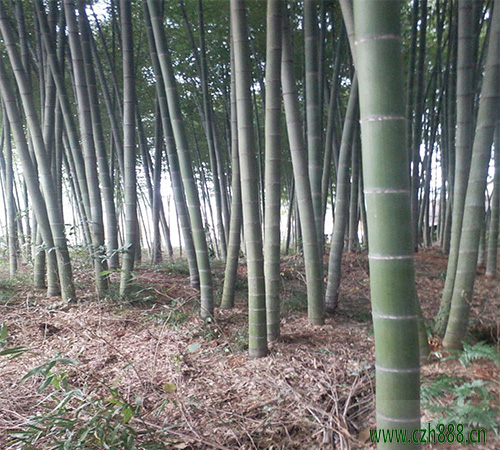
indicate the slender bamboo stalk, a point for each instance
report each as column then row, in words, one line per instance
column 173, row 159
column 257, row 346
column 186, row 169
column 312, row 256
column 451, row 125
column 464, row 140
column 110, row 221
column 313, row 112
column 341, row 201
column 353, row 202
column 411, row 72
column 474, row 202
column 331, row 148
column 233, row 249
column 89, row 152
column 157, row 254
column 46, row 207
column 272, row 175
column 9, row 199
column 75, row 155
column 419, row 102
column 209, row 130
column 129, row 149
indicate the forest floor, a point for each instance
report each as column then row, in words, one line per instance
column 151, row 365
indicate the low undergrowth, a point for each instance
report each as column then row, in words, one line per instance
column 148, row 373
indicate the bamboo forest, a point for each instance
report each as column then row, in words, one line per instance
column 249, row 224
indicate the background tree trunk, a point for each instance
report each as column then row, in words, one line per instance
column 474, row 201
column 200, row 243
column 273, row 169
column 464, row 139
column 315, row 302
column 129, row 150
column 257, row 327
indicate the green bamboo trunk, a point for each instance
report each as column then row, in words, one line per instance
column 312, row 256
column 418, row 107
column 387, row 192
column 74, row 156
column 354, row 197
column 411, row 72
column 131, row 232
column 180, row 136
column 463, row 149
column 47, row 213
column 341, row 201
column 249, row 184
column 211, row 140
column 173, row 159
column 272, row 176
column 451, row 125
column 233, row 248
column 89, row 153
column 330, row 145
column 53, row 210
column 9, row 199
column 110, row 220
column 156, row 256
column 474, row 202
column 313, row 111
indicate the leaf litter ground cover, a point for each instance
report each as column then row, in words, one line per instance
column 157, row 370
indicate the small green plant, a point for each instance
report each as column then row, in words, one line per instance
column 174, row 313
column 9, row 287
column 174, row 318
column 178, row 267
column 138, row 294
column 210, row 331
column 8, row 352
column 74, row 418
column 466, row 403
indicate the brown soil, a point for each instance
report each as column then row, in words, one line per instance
column 313, row 391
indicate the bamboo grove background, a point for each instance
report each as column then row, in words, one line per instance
column 142, row 131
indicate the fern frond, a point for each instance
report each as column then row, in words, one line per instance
column 470, row 403
column 435, row 389
column 475, row 388
column 476, row 416
column 481, row 350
